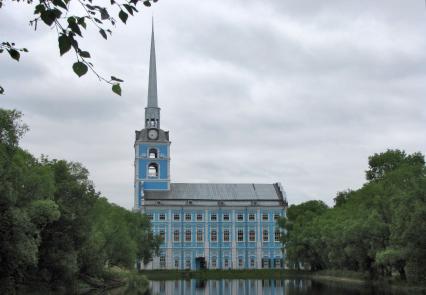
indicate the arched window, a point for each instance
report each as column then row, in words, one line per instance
column 153, row 153
column 153, row 170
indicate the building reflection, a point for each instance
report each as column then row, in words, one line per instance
column 228, row 287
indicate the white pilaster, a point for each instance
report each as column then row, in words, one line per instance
column 234, row 263
column 258, row 240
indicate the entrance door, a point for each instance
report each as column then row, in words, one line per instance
column 200, row 263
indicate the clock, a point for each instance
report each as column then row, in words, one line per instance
column 152, row 134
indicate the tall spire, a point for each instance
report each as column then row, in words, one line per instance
column 152, row 86
column 152, row 111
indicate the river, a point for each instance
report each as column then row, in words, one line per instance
column 258, row 287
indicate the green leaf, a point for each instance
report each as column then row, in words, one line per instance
column 104, row 13
column 60, row 3
column 84, row 54
column 1, row 90
column 116, row 89
column 64, row 44
column 81, row 22
column 128, row 8
column 39, row 9
column 72, row 24
column 147, row 3
column 49, row 16
column 102, row 32
column 79, row 68
column 116, row 79
column 123, row 16
column 14, row 54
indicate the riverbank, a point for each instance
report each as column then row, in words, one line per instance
column 113, row 278
column 332, row 277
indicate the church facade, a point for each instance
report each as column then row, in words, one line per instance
column 203, row 225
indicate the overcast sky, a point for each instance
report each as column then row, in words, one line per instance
column 297, row 92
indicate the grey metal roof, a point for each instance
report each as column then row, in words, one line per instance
column 219, row 191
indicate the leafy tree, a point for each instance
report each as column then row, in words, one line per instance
column 380, row 164
column 70, row 18
column 375, row 230
column 299, row 241
column 342, row 197
column 54, row 226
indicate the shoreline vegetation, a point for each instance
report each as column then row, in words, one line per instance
column 56, row 231
column 378, row 230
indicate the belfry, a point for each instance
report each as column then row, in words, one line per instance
column 203, row 225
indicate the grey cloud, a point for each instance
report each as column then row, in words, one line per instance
column 295, row 91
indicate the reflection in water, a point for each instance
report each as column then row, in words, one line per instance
column 228, row 287
column 259, row 287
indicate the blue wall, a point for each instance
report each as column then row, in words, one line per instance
column 155, row 185
column 220, row 249
column 162, row 148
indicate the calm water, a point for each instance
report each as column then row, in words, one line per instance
column 254, row 287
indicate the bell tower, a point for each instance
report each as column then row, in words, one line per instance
column 152, row 145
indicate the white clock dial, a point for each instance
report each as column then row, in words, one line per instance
column 152, row 134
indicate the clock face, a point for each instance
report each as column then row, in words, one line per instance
column 152, row 133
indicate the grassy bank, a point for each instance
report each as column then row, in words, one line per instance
column 113, row 278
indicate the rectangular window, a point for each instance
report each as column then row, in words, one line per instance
column 265, row 262
column 199, row 217
column 188, row 263
column 226, row 263
column 176, row 216
column 176, row 262
column 214, row 260
column 176, row 235
column 188, row 216
column 277, row 235
column 225, row 216
column 265, row 216
column 188, row 236
column 240, row 235
column 265, row 235
column 162, row 216
column 240, row 217
column 252, row 235
column 252, row 262
column 162, row 261
column 213, row 235
column 226, row 235
column 276, row 216
column 162, row 234
column 150, row 216
column 199, row 235
column 213, row 217
column 240, row 262
column 252, row 216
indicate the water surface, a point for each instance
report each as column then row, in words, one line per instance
column 264, row 287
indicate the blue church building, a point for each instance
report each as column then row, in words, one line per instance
column 203, row 225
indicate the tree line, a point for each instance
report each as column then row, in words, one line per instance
column 378, row 230
column 55, row 228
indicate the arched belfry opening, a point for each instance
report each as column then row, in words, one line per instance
column 153, row 153
column 153, row 170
